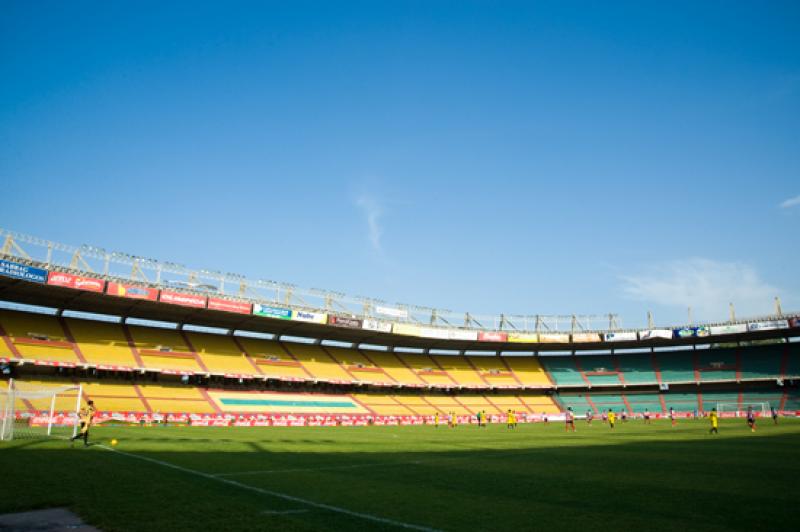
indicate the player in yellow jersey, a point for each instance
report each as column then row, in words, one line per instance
column 612, row 418
column 85, row 417
column 509, row 419
column 436, row 420
column 714, row 422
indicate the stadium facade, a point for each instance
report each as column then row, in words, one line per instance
column 162, row 341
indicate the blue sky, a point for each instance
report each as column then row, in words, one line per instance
column 476, row 156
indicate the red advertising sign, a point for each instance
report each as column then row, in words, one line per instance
column 77, row 282
column 227, row 305
column 341, row 321
column 184, row 300
column 131, row 291
column 492, row 337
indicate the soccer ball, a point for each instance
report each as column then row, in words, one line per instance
column 113, row 442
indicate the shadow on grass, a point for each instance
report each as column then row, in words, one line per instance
column 731, row 483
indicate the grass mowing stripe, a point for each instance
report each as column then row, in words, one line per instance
column 284, row 496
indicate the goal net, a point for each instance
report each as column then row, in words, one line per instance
column 740, row 409
column 36, row 411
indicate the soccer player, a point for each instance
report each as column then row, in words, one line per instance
column 589, row 417
column 751, row 419
column 714, row 422
column 569, row 417
column 672, row 416
column 85, row 415
column 624, row 416
column 774, row 414
column 509, row 419
column 483, row 418
column 612, row 418
column 436, row 420
column 646, row 416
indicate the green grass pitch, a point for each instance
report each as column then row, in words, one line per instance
column 383, row 478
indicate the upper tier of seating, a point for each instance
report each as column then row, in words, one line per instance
column 48, row 339
column 702, row 365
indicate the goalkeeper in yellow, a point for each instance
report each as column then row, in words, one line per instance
column 85, row 415
column 714, row 422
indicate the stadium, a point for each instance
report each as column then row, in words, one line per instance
column 191, row 371
column 400, row 265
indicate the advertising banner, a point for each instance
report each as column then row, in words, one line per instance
column 433, row 332
column 456, row 334
column 132, row 291
column 339, row 321
column 309, row 317
column 553, row 338
column 580, row 338
column 492, row 337
column 627, row 336
column 406, row 329
column 377, row 325
column 523, row 338
column 728, row 329
column 77, row 282
column 272, row 312
column 226, row 305
column 652, row 334
column 767, row 325
column 21, row 271
column 184, row 300
column 393, row 312
column 690, row 332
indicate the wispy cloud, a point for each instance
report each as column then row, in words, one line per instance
column 704, row 284
column 372, row 211
column 791, row 202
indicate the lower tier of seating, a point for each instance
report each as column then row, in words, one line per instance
column 702, row 401
column 166, row 398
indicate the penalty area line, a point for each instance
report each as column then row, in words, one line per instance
column 276, row 494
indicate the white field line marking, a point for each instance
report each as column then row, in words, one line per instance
column 276, row 494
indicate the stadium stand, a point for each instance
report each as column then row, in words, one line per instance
column 317, row 361
column 220, row 353
column 677, row 366
column 494, row 371
column 639, row 402
column 271, row 360
column 636, row 368
column 528, row 371
column 563, row 371
column 102, row 343
column 37, row 337
column 459, row 369
column 717, row 364
column 426, row 369
column 163, row 349
column 762, row 361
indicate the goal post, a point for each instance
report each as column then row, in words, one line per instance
column 39, row 411
column 740, row 409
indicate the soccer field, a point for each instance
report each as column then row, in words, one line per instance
column 369, row 478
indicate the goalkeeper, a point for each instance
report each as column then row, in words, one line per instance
column 86, row 415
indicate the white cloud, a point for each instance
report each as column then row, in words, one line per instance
column 372, row 211
column 791, row 202
column 708, row 286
